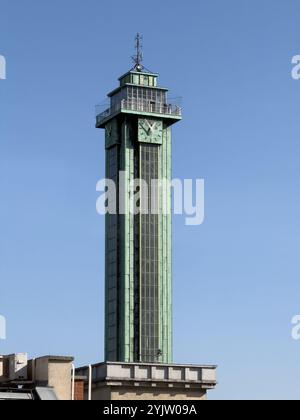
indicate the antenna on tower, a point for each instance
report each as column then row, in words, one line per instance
column 138, row 58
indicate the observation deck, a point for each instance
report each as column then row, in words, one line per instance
column 138, row 93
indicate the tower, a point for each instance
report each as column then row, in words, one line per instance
column 138, row 249
column 138, row 256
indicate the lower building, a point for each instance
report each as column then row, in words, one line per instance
column 55, row 378
column 44, row 378
column 143, row 381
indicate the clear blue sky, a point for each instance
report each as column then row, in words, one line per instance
column 236, row 278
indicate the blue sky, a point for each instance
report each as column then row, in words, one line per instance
column 236, row 277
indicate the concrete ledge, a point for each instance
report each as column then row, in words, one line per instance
column 147, row 379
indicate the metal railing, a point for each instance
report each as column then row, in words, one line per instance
column 137, row 105
column 152, row 107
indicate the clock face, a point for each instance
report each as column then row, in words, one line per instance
column 111, row 133
column 150, row 131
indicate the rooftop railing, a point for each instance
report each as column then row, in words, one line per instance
column 137, row 105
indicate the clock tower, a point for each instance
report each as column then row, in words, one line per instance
column 138, row 257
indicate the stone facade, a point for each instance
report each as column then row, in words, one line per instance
column 55, row 372
column 47, row 377
column 144, row 393
column 139, row 381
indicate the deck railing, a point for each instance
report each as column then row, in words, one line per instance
column 137, row 105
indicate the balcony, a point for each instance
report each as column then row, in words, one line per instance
column 171, row 110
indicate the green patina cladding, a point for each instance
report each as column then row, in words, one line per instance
column 166, row 251
column 127, row 249
column 125, row 137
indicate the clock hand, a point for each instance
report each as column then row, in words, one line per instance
column 144, row 128
column 151, row 126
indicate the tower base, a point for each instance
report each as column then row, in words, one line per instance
column 144, row 381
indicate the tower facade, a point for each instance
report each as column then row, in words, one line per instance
column 138, row 256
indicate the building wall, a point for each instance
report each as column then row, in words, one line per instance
column 146, row 394
column 79, row 390
column 54, row 372
column 127, row 242
column 158, row 394
column 144, row 381
column 125, row 314
column 60, row 379
column 165, row 252
column 2, row 370
column 41, row 370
